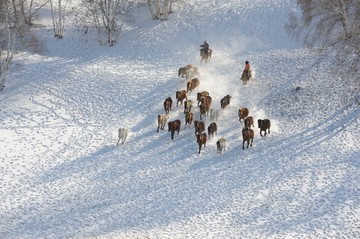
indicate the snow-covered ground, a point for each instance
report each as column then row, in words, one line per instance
column 62, row 175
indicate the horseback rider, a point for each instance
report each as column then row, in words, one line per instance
column 247, row 69
column 205, row 47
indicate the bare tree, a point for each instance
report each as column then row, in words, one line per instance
column 28, row 8
column 58, row 8
column 8, row 44
column 160, row 9
column 108, row 16
column 329, row 24
column 23, row 11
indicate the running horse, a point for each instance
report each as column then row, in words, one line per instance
column 245, row 77
column 204, row 56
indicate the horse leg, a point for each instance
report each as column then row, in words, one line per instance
column 261, row 134
column 243, row 144
column 252, row 139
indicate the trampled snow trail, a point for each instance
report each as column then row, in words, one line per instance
column 63, row 175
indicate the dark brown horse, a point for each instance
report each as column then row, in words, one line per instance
column 174, row 126
column 168, row 105
column 199, row 126
column 212, row 129
column 225, row 101
column 204, row 56
column 204, row 109
column 248, row 136
column 264, row 125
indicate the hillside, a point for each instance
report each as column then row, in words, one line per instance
column 64, row 177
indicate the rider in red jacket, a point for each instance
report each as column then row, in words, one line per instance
column 247, row 66
column 247, row 69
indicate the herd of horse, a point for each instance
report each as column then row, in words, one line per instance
column 204, row 103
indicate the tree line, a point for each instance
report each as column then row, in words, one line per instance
column 330, row 25
column 326, row 24
column 106, row 16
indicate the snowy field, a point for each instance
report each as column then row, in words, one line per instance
column 62, row 175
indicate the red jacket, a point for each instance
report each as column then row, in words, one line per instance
column 247, row 67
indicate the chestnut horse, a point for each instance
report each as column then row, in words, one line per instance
column 201, row 140
column 192, row 85
column 243, row 113
column 180, row 97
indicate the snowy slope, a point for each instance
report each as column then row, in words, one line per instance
column 62, row 176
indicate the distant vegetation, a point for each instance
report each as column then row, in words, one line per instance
column 326, row 24
column 330, row 25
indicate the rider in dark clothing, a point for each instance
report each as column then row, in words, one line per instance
column 205, row 46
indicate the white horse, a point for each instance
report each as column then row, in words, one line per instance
column 122, row 134
column 189, row 71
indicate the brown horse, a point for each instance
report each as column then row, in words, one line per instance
column 199, row 127
column 225, row 101
column 174, row 126
column 248, row 136
column 245, row 77
column 200, row 95
column 201, row 140
column 248, row 122
column 168, row 105
column 188, row 118
column 180, row 97
column 204, row 56
column 243, row 113
column 204, row 109
column 192, row 85
column 212, row 129
column 264, row 125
